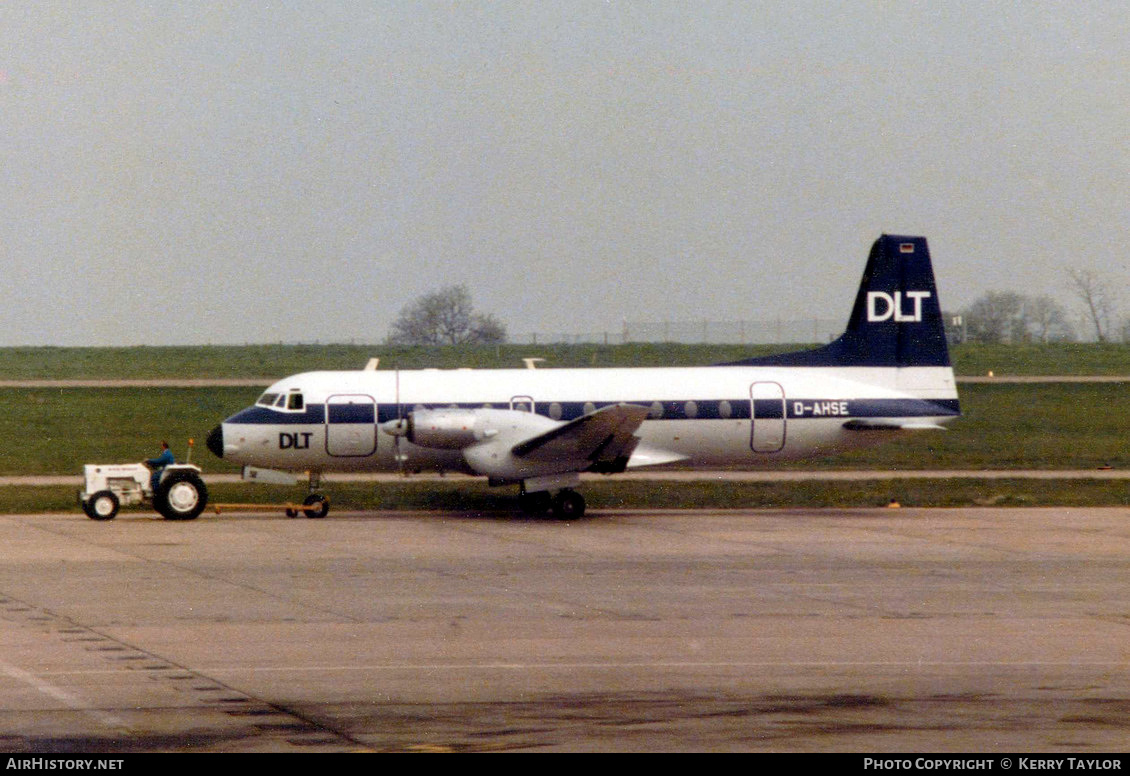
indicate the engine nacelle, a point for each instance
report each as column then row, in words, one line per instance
column 443, row 429
column 451, row 429
column 486, row 436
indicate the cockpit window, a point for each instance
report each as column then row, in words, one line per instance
column 291, row 401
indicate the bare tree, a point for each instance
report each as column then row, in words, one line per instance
column 1097, row 299
column 1046, row 320
column 487, row 329
column 445, row 317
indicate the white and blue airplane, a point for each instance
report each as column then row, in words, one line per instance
column 539, row 429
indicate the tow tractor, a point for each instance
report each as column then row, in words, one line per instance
column 180, row 493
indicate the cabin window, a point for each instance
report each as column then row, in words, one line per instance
column 691, row 409
column 656, row 410
column 555, row 411
column 724, row 409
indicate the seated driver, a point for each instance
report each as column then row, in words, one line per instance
column 159, row 463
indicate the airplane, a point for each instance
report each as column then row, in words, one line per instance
column 540, row 428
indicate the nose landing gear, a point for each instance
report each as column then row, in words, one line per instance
column 316, row 506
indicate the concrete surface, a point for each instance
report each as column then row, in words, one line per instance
column 985, row 630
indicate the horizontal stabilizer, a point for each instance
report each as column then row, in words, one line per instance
column 893, row 425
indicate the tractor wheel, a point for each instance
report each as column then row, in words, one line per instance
column 181, row 496
column 103, row 505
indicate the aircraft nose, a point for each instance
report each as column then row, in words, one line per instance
column 216, row 441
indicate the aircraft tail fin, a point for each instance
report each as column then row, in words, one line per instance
column 896, row 320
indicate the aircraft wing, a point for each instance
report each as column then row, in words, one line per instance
column 601, row 441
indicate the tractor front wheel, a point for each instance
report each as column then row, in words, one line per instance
column 103, row 505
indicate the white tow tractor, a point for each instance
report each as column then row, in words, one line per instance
column 180, row 493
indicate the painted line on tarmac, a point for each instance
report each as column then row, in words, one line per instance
column 59, row 694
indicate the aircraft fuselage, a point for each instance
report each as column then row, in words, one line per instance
column 704, row 416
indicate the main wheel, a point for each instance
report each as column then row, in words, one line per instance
column 535, row 504
column 317, row 505
column 568, row 505
column 181, row 496
column 103, row 505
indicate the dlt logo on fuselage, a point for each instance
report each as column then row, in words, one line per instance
column 299, row 441
column 882, row 306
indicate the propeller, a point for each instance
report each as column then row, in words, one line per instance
column 401, row 429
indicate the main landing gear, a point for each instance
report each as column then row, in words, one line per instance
column 567, row 504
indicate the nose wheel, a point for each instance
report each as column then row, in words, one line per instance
column 315, row 506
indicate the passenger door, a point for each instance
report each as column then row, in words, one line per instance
column 768, row 414
column 351, row 425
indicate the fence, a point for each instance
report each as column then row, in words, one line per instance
column 816, row 330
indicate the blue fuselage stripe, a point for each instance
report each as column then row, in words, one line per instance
column 705, row 409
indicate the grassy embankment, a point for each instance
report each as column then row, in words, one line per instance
column 1005, row 426
column 272, row 361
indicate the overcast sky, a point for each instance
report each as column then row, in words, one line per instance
column 181, row 173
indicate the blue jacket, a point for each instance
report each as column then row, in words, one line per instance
column 163, row 460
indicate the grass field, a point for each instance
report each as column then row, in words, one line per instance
column 1107, row 359
column 57, row 430
column 269, row 362
column 1005, row 426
